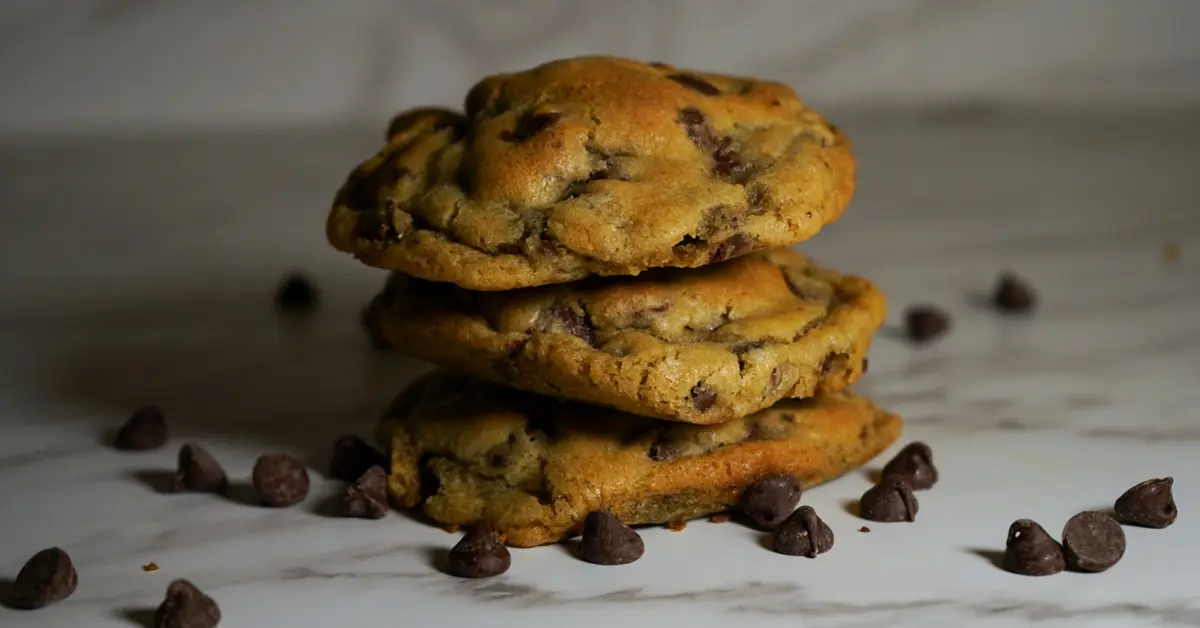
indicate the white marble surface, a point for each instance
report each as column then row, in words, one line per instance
column 141, row 270
column 71, row 66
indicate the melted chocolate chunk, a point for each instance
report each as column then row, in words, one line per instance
column 695, row 83
column 736, row 245
column 703, row 397
column 530, row 125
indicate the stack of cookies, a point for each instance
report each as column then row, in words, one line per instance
column 596, row 254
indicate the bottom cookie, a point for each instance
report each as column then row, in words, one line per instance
column 534, row 467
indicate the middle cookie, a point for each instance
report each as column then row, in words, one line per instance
column 699, row 345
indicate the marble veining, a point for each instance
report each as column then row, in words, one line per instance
column 141, row 270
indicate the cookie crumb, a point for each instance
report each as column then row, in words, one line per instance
column 864, row 529
column 676, row 526
column 719, row 518
column 452, row 528
column 1172, row 252
column 150, row 566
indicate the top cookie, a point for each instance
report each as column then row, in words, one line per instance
column 593, row 166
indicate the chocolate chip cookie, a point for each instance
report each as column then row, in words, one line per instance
column 593, row 166
column 697, row 345
column 533, row 467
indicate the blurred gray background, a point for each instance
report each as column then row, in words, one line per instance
column 71, row 66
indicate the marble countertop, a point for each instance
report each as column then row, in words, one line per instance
column 140, row 270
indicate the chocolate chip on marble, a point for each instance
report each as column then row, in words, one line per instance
column 529, row 125
column 695, row 83
column 479, row 554
column 889, row 501
column 736, row 245
column 608, row 541
column 770, row 499
column 864, row 529
column 198, row 472
column 1030, row 551
column 703, row 397
column 296, row 293
column 47, row 577
column 145, row 429
column 803, row 533
column 1150, row 504
column 1092, row 542
column 915, row 463
column 923, row 323
column 366, row 498
column 351, row 457
column 1013, row 295
column 280, row 480
column 186, row 606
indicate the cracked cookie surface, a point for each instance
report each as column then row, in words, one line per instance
column 593, row 166
column 694, row 345
column 466, row 450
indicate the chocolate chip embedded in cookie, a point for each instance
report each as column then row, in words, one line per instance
column 593, row 166
column 697, row 346
column 534, row 468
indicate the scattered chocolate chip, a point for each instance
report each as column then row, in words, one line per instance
column 199, row 472
column 296, row 294
column 695, row 83
column 923, row 323
column 367, row 497
column 915, row 463
column 47, row 577
column 573, row 322
column 1092, row 542
column 145, row 429
column 1149, row 504
column 1029, row 551
column 186, row 606
column 280, row 479
column 530, row 125
column 736, row 245
column 351, row 458
column 771, row 499
column 889, row 501
column 150, row 567
column 703, row 397
column 1012, row 294
column 864, row 529
column 607, row 541
column 479, row 554
column 803, row 534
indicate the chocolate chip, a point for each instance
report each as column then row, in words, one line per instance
column 1013, row 295
column 199, row 472
column 736, row 245
column 186, row 606
column 296, row 294
column 803, row 534
column 351, row 458
column 756, row 198
column 280, row 479
column 703, row 397
column 1149, row 504
column 607, row 541
column 695, row 124
column 923, row 323
column 367, row 497
column 663, row 450
column 915, row 463
column 1029, row 551
column 864, row 529
column 46, row 578
column 771, row 499
column 695, row 83
column 144, row 429
column 573, row 322
column 728, row 164
column 530, row 125
column 479, row 554
column 889, row 501
column 1092, row 542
